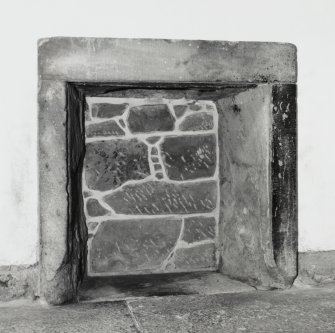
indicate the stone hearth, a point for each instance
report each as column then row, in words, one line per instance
column 166, row 156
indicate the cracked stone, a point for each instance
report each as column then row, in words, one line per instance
column 106, row 128
column 150, row 118
column 198, row 228
column 197, row 122
column 196, row 257
column 109, row 164
column 94, row 208
column 189, row 157
column 107, row 110
column 121, row 246
column 158, row 197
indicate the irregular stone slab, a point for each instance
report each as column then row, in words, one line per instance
column 94, row 208
column 158, row 197
column 197, row 122
column 153, row 139
column 107, row 128
column 91, row 226
column 179, row 110
column 154, row 159
column 107, row 110
column 150, row 118
column 195, row 107
column 109, row 164
column 198, row 228
column 189, row 157
column 201, row 256
column 154, row 151
column 159, row 175
column 135, row 244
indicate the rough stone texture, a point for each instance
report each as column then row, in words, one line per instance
column 195, row 122
column 85, row 318
column 123, row 246
column 158, row 197
column 198, row 228
column 18, row 282
column 148, row 285
column 106, row 128
column 84, row 60
column 316, row 267
column 109, row 164
column 108, row 110
column 189, row 157
column 284, row 179
column 295, row 310
column 94, row 208
column 150, row 118
column 196, row 257
column 179, row 110
column 245, row 220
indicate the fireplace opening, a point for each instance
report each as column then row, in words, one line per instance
column 171, row 185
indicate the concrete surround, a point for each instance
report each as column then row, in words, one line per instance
column 253, row 87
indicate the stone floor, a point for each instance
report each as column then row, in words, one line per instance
column 300, row 309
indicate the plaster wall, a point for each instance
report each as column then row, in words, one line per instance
column 307, row 24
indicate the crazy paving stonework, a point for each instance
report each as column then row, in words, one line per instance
column 150, row 185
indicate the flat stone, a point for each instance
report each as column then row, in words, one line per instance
column 179, row 110
column 121, row 246
column 154, row 151
column 189, row 157
column 150, row 118
column 81, row 317
column 106, row 128
column 107, row 110
column 198, row 228
column 195, row 107
column 153, row 139
column 91, row 226
column 196, row 257
column 109, row 164
column 197, row 122
column 154, row 159
column 94, row 208
column 159, row 175
column 158, row 197
column 157, row 167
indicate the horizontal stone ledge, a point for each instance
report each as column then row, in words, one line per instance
column 157, row 60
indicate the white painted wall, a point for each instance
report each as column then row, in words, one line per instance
column 309, row 24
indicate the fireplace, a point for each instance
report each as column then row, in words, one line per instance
column 166, row 156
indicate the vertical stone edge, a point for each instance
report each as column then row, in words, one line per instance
column 284, row 180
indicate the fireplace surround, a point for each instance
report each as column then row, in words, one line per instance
column 251, row 86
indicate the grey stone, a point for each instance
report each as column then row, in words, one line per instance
column 295, row 310
column 154, row 159
column 195, row 107
column 198, row 228
column 179, row 110
column 158, row 197
column 91, row 226
column 159, row 175
column 197, row 122
column 94, row 208
column 150, row 118
column 195, row 257
column 84, row 317
column 189, row 157
column 107, row 110
column 157, row 167
column 106, row 128
column 121, row 246
column 154, row 151
column 109, row 164
column 151, row 60
column 122, row 123
column 153, row 139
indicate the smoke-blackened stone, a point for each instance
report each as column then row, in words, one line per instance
column 197, row 122
column 158, row 197
column 106, row 128
column 150, row 118
column 122, row 246
column 198, row 228
column 189, row 157
column 107, row 110
column 94, row 208
column 197, row 257
column 109, row 164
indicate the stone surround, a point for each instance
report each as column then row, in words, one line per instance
column 252, row 86
column 151, row 185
